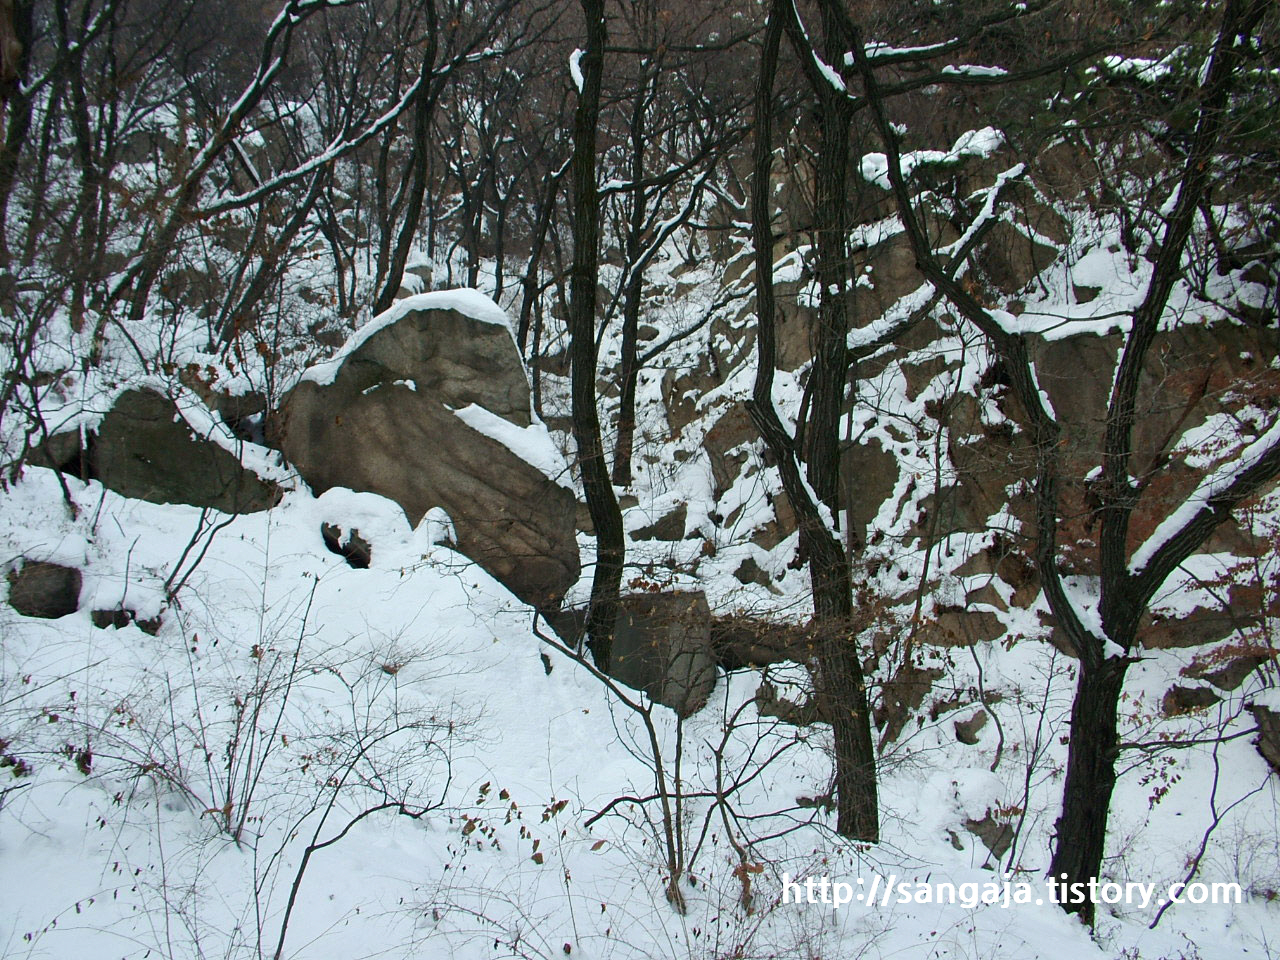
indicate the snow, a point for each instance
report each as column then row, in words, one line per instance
column 878, row 50
column 471, row 303
column 1140, row 68
column 575, row 68
column 973, row 143
column 532, row 444
column 973, row 70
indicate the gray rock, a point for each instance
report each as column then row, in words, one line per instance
column 662, row 645
column 48, row 590
column 385, row 424
column 145, row 450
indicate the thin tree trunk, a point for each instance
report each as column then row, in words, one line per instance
column 584, row 276
column 838, row 679
column 630, row 367
column 530, row 281
column 831, row 356
column 13, row 98
column 427, row 95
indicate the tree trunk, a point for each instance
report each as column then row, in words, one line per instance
column 18, row 29
column 584, row 276
column 830, row 370
column 838, row 678
column 530, row 283
column 630, row 367
column 842, row 691
column 424, row 107
column 1091, row 777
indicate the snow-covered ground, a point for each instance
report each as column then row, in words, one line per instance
column 203, row 791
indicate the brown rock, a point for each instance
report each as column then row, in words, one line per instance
column 967, row 730
column 662, row 645
column 901, row 697
column 996, row 835
column 1229, row 676
column 385, row 424
column 1182, row 700
column 1268, row 742
column 869, row 474
column 1011, row 259
column 669, row 527
column 733, row 429
column 47, row 590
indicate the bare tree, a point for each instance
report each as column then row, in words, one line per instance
column 1106, row 637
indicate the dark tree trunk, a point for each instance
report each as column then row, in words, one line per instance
column 630, row 375
column 424, row 107
column 1091, row 777
column 838, row 676
column 630, row 367
column 584, row 276
column 15, row 108
column 831, row 356
column 842, row 690
column 530, row 283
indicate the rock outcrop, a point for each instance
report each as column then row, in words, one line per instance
column 145, row 449
column 428, row 405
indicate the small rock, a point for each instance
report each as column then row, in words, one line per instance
column 901, row 697
column 1268, row 742
column 670, row 527
column 352, row 547
column 750, row 572
column 1231, row 675
column 47, row 590
column 121, row 617
column 995, row 835
column 1182, row 700
column 967, row 730
column 118, row 618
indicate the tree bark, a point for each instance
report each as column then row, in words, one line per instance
column 424, row 106
column 630, row 368
column 584, row 277
column 1091, row 777
column 838, row 677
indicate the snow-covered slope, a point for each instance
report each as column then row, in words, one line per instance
column 191, row 791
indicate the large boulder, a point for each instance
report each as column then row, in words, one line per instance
column 145, row 449
column 428, row 405
column 662, row 645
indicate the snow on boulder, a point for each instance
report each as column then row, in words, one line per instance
column 428, row 405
